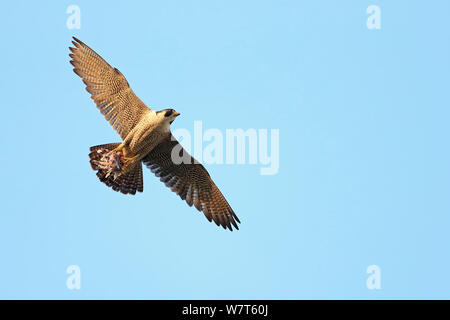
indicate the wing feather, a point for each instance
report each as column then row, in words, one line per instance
column 108, row 88
column 192, row 182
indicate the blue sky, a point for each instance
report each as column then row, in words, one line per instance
column 364, row 159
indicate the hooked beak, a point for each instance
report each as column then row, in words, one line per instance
column 176, row 114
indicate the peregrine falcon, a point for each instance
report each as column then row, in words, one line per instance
column 146, row 138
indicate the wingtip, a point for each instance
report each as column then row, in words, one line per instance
column 235, row 224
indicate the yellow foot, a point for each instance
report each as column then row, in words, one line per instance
column 118, row 149
column 128, row 160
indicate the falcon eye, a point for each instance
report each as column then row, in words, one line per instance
column 168, row 113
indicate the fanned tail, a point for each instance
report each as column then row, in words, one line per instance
column 127, row 183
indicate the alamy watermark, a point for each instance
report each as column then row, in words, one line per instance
column 74, row 20
column 373, row 282
column 73, row 281
column 374, row 20
column 236, row 146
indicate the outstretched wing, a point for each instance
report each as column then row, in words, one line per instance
column 108, row 88
column 191, row 182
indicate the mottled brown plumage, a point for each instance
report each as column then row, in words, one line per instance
column 146, row 137
column 191, row 182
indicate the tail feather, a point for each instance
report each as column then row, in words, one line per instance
column 127, row 183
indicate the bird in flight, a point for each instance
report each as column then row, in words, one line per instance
column 146, row 139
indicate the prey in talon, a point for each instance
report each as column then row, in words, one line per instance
column 111, row 162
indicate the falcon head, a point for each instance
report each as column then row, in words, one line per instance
column 168, row 115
